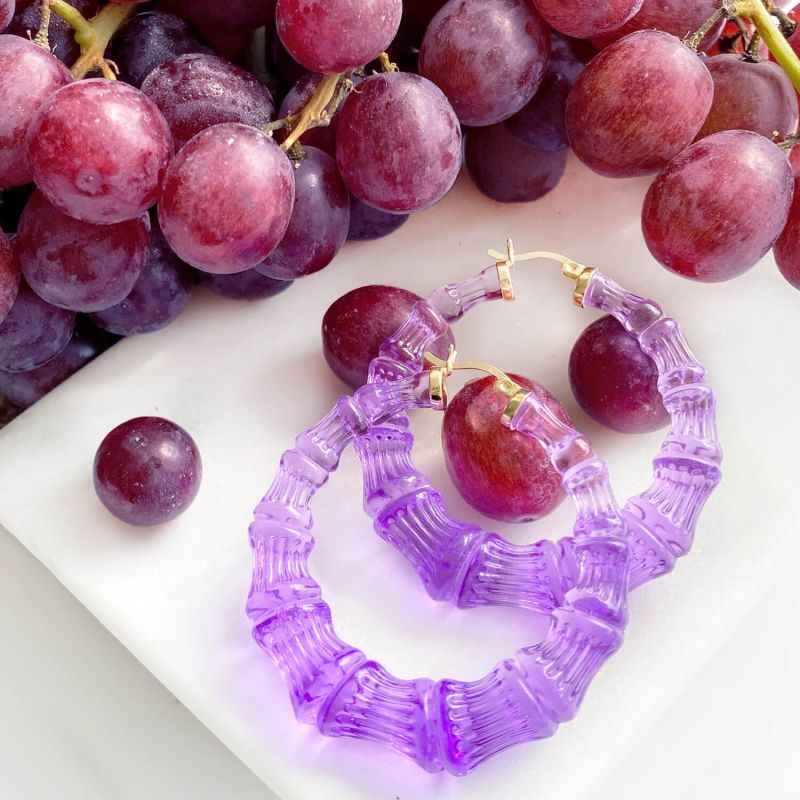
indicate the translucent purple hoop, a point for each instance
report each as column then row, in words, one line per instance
column 581, row 581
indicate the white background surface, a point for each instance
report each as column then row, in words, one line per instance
column 699, row 698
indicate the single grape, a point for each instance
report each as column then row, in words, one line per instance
column 368, row 223
column 614, row 381
column 247, row 285
column 398, row 144
column 33, row 332
column 337, row 35
column 158, row 296
column 787, row 246
column 7, row 8
column 227, row 199
column 150, row 39
column 60, row 34
column 98, row 150
column 752, row 96
column 77, row 265
column 323, row 137
column 195, row 91
column 24, row 389
column 147, row 471
column 719, row 206
column 584, row 19
column 232, row 15
column 28, row 76
column 638, row 104
column 357, row 324
column 487, row 56
column 542, row 122
column 678, row 17
column 9, row 276
column 319, row 223
column 503, row 475
column 506, row 169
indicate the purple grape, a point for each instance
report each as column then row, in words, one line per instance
column 787, row 246
column 487, row 56
column 61, row 36
column 542, row 122
column 195, row 91
column 77, row 265
column 323, row 137
column 147, row 471
column 506, row 477
column 357, row 324
column 227, row 199
column 28, row 76
column 638, row 104
column 6, row 13
column 584, row 19
column 398, row 144
column 24, row 389
column 98, row 150
column 368, row 223
column 33, row 332
column 719, row 206
column 9, row 276
column 247, row 285
column 614, row 381
column 337, row 35
column 751, row 96
column 508, row 170
column 150, row 39
column 320, row 220
column 158, row 297
column 678, row 17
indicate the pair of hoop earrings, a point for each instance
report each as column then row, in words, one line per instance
column 581, row 581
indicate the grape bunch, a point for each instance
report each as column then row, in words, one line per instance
column 149, row 147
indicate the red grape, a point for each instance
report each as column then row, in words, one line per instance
column 24, row 389
column 719, row 206
column 542, row 122
column 98, row 150
column 9, row 276
column 507, row 169
column 357, row 324
column 227, row 198
column 77, row 265
column 61, row 35
column 28, row 76
column 33, row 332
column 247, row 285
column 752, row 96
column 323, row 137
column 487, row 56
column 337, row 35
column 498, row 472
column 584, row 19
column 614, row 381
column 787, row 247
column 195, row 91
column 398, row 145
column 150, row 39
column 638, row 104
column 159, row 295
column 368, row 223
column 6, row 13
column 678, row 17
column 147, row 471
column 320, row 219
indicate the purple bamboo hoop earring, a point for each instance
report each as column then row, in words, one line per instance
column 449, row 724
column 465, row 564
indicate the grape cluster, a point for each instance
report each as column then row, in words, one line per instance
column 147, row 147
